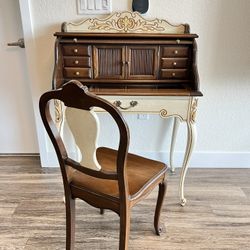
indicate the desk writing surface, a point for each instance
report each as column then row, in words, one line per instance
column 147, row 91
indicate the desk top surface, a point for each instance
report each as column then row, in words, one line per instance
column 149, row 91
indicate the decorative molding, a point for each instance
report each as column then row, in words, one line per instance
column 193, row 111
column 58, row 114
column 125, row 22
column 163, row 113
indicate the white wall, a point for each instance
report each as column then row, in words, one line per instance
column 223, row 120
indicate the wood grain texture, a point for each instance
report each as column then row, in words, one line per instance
column 32, row 213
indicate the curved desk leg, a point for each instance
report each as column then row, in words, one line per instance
column 173, row 140
column 191, row 140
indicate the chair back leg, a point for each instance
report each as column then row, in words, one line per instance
column 161, row 194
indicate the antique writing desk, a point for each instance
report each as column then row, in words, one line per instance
column 139, row 65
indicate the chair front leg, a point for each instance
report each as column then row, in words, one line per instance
column 124, row 229
column 161, row 194
column 70, row 223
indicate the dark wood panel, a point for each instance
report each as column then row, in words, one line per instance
column 142, row 62
column 174, row 73
column 77, row 73
column 75, row 50
column 174, row 51
column 172, row 63
column 109, row 62
column 77, row 61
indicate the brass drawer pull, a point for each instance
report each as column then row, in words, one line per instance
column 174, row 63
column 119, row 103
column 173, row 74
column 76, row 61
column 75, row 50
column 77, row 73
column 176, row 52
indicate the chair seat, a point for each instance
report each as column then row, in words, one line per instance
column 140, row 172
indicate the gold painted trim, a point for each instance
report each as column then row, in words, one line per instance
column 58, row 114
column 124, row 22
column 194, row 106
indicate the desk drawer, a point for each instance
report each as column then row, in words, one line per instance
column 174, row 63
column 174, row 73
column 76, row 50
column 165, row 106
column 174, row 51
column 77, row 73
column 77, row 61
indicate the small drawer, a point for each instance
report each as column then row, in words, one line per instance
column 77, row 73
column 174, row 74
column 73, row 61
column 76, row 50
column 174, row 63
column 175, row 51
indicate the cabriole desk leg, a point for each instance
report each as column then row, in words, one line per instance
column 191, row 140
column 173, row 140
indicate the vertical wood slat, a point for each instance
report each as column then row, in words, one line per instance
column 142, row 62
column 109, row 62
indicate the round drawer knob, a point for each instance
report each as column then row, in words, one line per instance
column 174, row 63
column 75, row 40
column 176, row 52
column 75, row 50
column 77, row 73
column 76, row 61
column 173, row 74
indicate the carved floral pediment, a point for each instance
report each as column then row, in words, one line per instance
column 125, row 22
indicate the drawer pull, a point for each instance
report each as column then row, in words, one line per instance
column 119, row 103
column 173, row 74
column 174, row 63
column 76, row 62
column 77, row 73
column 75, row 40
column 176, row 52
column 75, row 50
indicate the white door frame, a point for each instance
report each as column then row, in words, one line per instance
column 47, row 159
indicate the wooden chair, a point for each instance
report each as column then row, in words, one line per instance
column 106, row 178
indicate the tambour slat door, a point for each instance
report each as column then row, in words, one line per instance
column 142, row 62
column 109, row 61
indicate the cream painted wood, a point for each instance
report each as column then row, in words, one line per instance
column 181, row 108
column 165, row 106
column 191, row 140
column 85, row 128
column 173, row 141
column 124, row 22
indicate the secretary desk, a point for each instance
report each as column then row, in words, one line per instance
column 139, row 65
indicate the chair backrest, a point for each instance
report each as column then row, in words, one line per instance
column 79, row 103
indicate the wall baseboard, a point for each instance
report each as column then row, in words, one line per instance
column 19, row 154
column 198, row 159
column 205, row 159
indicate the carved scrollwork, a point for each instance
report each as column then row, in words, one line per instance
column 124, row 22
column 193, row 110
column 163, row 113
column 58, row 113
